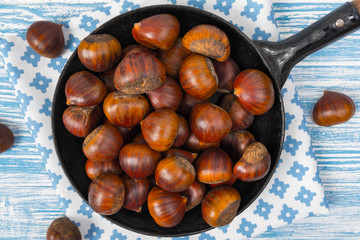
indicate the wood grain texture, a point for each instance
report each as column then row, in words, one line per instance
column 28, row 202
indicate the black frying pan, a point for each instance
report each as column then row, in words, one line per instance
column 274, row 58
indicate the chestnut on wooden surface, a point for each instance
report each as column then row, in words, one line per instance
column 169, row 95
column 157, row 31
column 94, row 169
column 254, row 163
column 160, row 128
column 103, row 143
column 220, row 206
column 197, row 77
column 209, row 122
column 106, row 194
column 135, row 48
column 138, row 160
column 333, row 108
column 62, row 228
column 241, row 118
column 80, row 121
column 226, row 72
column 166, row 208
column 187, row 104
column 236, row 142
column 46, row 38
column 136, row 193
column 173, row 58
column 125, row 110
column 7, row 138
column 214, row 166
column 107, row 78
column 194, row 145
column 255, row 91
column 139, row 73
column 84, row 89
column 195, row 194
column 190, row 156
column 183, row 132
column 99, row 52
column 174, row 174
column 209, row 41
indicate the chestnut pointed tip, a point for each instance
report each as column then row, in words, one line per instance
column 138, row 210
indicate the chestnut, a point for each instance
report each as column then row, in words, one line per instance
column 63, row 228
column 255, row 91
column 254, row 163
column 125, row 110
column 214, row 166
column 103, row 143
column 209, row 122
column 241, row 118
column 6, row 138
column 139, row 73
column 160, row 128
column 129, row 133
column 183, row 132
column 173, row 58
column 99, row 52
column 174, row 174
column 194, row 145
column 169, row 95
column 187, row 104
column 107, row 78
column 333, row 108
column 229, row 182
column 106, row 194
column 94, row 169
column 138, row 160
column 166, row 208
column 80, row 121
column 191, row 157
column 136, row 193
column 236, row 142
column 220, row 206
column 157, row 31
column 195, row 194
column 135, row 48
column 197, row 77
column 84, row 89
column 139, row 138
column 46, row 38
column 209, row 41
column 226, row 72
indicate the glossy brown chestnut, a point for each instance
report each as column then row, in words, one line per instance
column 157, row 31
column 220, row 206
column 106, row 194
column 209, row 122
column 254, row 163
column 7, row 138
column 166, row 208
column 174, row 174
column 173, row 58
column 80, row 121
column 208, row 40
column 94, row 169
column 197, row 77
column 139, row 73
column 46, row 38
column 226, row 183
column 183, row 132
column 187, row 104
column 103, row 143
column 129, row 133
column 160, row 128
column 125, row 110
column 135, row 48
column 169, row 95
column 195, row 194
column 214, row 166
column 255, row 91
column 191, row 157
column 99, row 52
column 136, row 193
column 226, row 72
column 107, row 78
column 333, row 108
column 139, row 138
column 138, row 160
column 194, row 145
column 84, row 89
column 236, row 142
column 241, row 118
column 63, row 228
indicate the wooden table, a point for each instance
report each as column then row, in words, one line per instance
column 28, row 202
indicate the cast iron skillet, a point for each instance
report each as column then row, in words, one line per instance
column 274, row 58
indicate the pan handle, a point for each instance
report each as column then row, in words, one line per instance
column 282, row 56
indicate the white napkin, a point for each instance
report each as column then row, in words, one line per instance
column 295, row 190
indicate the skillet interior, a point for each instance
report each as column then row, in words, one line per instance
column 267, row 128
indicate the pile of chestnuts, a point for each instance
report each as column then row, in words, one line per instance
column 152, row 132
